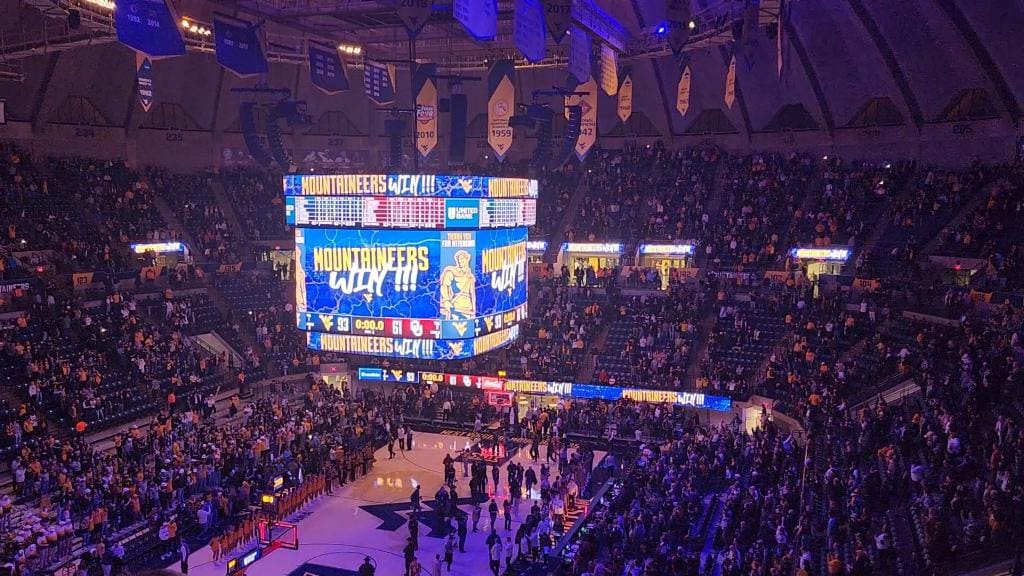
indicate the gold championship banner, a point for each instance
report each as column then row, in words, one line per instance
column 425, row 88
column 500, row 107
column 588, row 126
column 730, row 83
column 683, row 92
column 624, row 104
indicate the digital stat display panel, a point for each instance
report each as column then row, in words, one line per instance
column 410, row 266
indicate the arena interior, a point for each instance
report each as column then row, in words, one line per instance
column 524, row 288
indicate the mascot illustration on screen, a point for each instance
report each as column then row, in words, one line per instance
column 458, row 289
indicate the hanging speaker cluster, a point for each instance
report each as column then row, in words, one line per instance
column 250, row 133
column 542, row 151
column 394, row 128
column 571, row 135
column 459, row 109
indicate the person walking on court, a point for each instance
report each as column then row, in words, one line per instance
column 414, row 499
column 493, row 511
column 184, row 551
column 449, row 551
column 367, row 569
column 507, row 509
column 495, row 555
column 476, row 515
column 391, row 446
column 509, row 549
column 462, row 532
column 410, row 555
column 401, row 437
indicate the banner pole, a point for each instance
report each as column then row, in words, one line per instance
column 412, row 95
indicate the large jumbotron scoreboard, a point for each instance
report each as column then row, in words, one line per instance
column 410, row 266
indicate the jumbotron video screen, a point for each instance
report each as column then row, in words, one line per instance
column 430, row 267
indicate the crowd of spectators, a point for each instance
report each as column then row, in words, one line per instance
column 192, row 198
column 257, row 198
column 649, row 340
column 760, row 195
column 876, row 483
column 990, row 232
column 644, row 191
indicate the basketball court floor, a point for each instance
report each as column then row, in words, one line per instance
column 368, row 518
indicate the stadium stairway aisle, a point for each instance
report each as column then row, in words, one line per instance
column 172, row 219
column 558, row 236
column 226, row 208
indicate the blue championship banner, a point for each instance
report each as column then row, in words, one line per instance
column 149, row 27
column 238, row 48
column 480, row 17
column 677, row 20
column 144, row 77
column 579, row 54
column 379, row 81
column 528, row 31
column 408, row 185
column 454, row 276
column 327, row 70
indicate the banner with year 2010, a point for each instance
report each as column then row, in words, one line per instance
column 425, row 88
